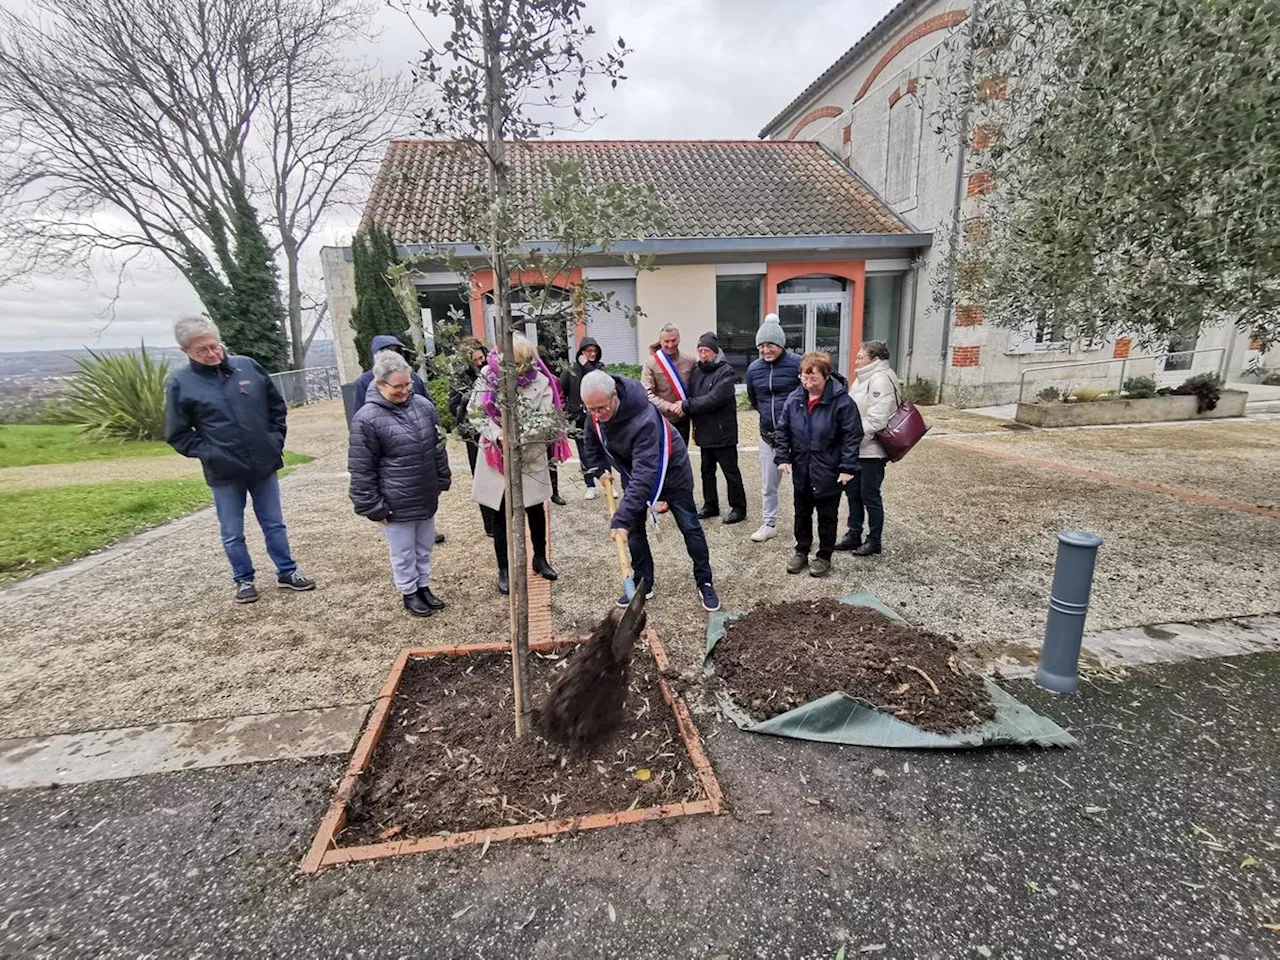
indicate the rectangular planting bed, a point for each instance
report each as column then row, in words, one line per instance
column 1231, row 403
column 438, row 766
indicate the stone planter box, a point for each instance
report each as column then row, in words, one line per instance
column 1154, row 410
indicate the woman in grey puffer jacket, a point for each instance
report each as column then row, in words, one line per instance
column 399, row 468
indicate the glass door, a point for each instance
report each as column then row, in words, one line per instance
column 816, row 321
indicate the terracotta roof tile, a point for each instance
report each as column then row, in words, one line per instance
column 707, row 188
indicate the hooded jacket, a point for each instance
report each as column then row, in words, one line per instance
column 713, row 404
column 768, row 386
column 381, row 342
column 397, row 464
column 822, row 443
column 571, row 383
column 634, row 436
column 230, row 417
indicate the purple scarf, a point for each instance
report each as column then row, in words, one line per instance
column 489, row 401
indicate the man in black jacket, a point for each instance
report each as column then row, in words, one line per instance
column 713, row 408
column 225, row 411
column 379, row 343
column 588, row 358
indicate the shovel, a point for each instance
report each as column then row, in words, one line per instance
column 624, row 563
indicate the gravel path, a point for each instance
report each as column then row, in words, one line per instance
column 153, row 636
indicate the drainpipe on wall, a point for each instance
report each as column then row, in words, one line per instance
column 953, row 248
column 911, row 322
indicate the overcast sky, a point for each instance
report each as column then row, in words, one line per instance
column 702, row 69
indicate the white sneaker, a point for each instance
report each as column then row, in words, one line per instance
column 590, row 494
column 766, row 532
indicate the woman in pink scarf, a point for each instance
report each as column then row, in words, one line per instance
column 541, row 419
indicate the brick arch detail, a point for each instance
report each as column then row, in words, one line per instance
column 943, row 21
column 811, row 116
column 855, row 271
column 482, row 283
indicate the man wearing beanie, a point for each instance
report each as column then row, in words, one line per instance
column 713, row 408
column 769, row 380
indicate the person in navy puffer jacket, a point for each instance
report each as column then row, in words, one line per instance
column 817, row 443
column 770, row 380
column 398, row 470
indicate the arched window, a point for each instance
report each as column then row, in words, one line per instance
column 902, row 164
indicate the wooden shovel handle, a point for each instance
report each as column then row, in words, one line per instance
column 624, row 562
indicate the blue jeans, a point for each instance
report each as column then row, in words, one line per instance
column 685, row 512
column 229, row 500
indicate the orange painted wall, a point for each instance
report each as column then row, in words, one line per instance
column 854, row 271
column 482, row 283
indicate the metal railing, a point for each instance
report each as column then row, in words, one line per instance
column 309, row 385
column 1123, row 361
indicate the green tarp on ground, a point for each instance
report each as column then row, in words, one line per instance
column 838, row 718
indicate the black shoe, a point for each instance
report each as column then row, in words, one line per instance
column 850, row 541
column 797, row 563
column 439, row 538
column 707, row 512
column 544, row 569
column 558, row 500
column 415, row 605
column 295, row 581
column 246, row 592
column 735, row 516
column 868, row 547
column 430, row 599
column 820, row 567
column 504, row 583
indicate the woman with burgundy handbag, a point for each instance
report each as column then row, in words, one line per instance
column 875, row 390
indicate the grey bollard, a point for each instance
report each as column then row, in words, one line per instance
column 349, row 401
column 1068, row 604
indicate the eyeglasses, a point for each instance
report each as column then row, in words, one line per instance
column 210, row 351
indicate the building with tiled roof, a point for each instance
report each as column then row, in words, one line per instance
column 746, row 228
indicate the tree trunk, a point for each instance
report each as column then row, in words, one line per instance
column 297, row 346
column 512, row 451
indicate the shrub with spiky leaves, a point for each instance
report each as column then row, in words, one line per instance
column 116, row 397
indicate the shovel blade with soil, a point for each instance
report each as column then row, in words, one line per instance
column 586, row 703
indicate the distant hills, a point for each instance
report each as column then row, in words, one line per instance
column 38, row 364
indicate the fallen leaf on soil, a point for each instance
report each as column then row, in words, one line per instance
column 1193, row 886
column 528, row 920
column 813, row 800
column 983, row 951
column 873, row 947
column 485, row 848
column 644, row 773
column 877, row 772
column 1095, row 809
column 762, row 813
column 458, row 914
column 1022, row 768
column 1248, row 862
column 840, row 953
column 1271, row 926
column 613, row 914
column 390, row 832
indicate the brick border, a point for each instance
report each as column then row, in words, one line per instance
column 1178, row 493
column 811, row 116
column 325, row 852
column 943, row 21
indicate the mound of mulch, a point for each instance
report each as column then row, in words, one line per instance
column 780, row 657
column 447, row 760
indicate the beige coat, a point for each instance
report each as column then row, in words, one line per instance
column 877, row 392
column 656, row 384
column 488, row 485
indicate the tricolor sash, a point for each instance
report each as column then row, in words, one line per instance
column 672, row 374
column 664, row 461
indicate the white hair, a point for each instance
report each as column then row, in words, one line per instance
column 188, row 328
column 598, row 383
column 387, row 362
column 669, row 328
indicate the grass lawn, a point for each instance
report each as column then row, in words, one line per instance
column 22, row 446
column 47, row 527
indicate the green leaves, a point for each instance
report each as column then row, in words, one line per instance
column 116, row 397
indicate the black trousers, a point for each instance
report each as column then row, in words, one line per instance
column 536, row 517
column 727, row 459
column 863, row 492
column 485, row 513
column 828, row 510
column 682, row 427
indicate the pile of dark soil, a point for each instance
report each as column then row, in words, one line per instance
column 447, row 760
column 780, row 657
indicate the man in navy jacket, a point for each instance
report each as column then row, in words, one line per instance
column 379, row 343
column 626, row 431
column 225, row 411
column 770, row 380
